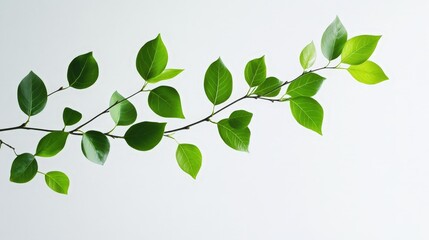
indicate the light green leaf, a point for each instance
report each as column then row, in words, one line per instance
column 269, row 88
column 237, row 139
column 145, row 135
column 165, row 101
column 333, row 39
column 358, row 49
column 218, row 82
column 24, row 168
column 255, row 72
column 51, row 144
column 95, row 146
column 83, row 71
column 306, row 85
column 307, row 112
column 123, row 113
column 71, row 117
column 57, row 181
column 32, row 94
column 308, row 56
column 240, row 119
column 165, row 75
column 189, row 158
column 368, row 73
column 152, row 58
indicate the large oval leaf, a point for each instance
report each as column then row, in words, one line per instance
column 308, row 56
column 123, row 113
column 189, row 158
column 333, row 39
column 240, row 119
column 368, row 73
column 269, row 88
column 306, row 85
column 24, row 168
column 237, row 139
column 51, row 144
column 83, row 71
column 57, row 181
column 165, row 101
column 145, row 135
column 358, row 49
column 255, row 72
column 95, row 146
column 152, row 58
column 71, row 117
column 307, row 112
column 32, row 94
column 218, row 82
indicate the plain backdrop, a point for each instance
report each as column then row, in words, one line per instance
column 366, row 178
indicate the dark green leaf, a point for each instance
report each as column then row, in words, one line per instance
column 269, row 88
column 51, row 144
column 95, row 146
column 308, row 56
column 24, row 168
column 123, row 113
column 333, row 39
column 145, row 135
column 152, row 58
column 83, row 71
column 306, row 85
column 218, row 82
column 189, row 158
column 255, row 72
column 165, row 101
column 237, row 139
column 57, row 181
column 165, row 75
column 307, row 112
column 368, row 73
column 71, row 116
column 358, row 49
column 240, row 119
column 32, row 94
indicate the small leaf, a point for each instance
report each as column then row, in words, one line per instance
column 218, row 82
column 165, row 75
column 189, row 158
column 51, row 144
column 333, row 39
column 123, row 113
column 240, row 119
column 83, row 71
column 237, row 139
column 358, row 49
column 145, row 135
column 368, row 73
column 269, row 88
column 57, row 181
column 255, row 72
column 32, row 94
column 308, row 56
column 71, row 117
column 307, row 112
column 95, row 146
column 165, row 101
column 306, row 85
column 24, row 168
column 152, row 58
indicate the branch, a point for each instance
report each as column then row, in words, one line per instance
column 8, row 145
column 58, row 90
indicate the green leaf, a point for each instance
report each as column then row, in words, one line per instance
column 165, row 75
column 368, row 73
column 57, row 181
column 145, row 135
column 307, row 112
column 358, row 49
column 269, row 88
column 218, row 82
column 123, row 113
column 95, row 146
column 237, row 139
column 71, row 117
column 306, row 85
column 189, row 158
column 32, row 94
column 152, row 58
column 165, row 101
column 308, row 56
column 51, row 144
column 240, row 119
column 83, row 71
column 255, row 72
column 333, row 39
column 24, row 168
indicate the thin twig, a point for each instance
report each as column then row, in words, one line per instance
column 9, row 146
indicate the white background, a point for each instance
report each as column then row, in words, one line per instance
column 366, row 178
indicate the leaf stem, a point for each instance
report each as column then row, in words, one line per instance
column 58, row 90
column 9, row 146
